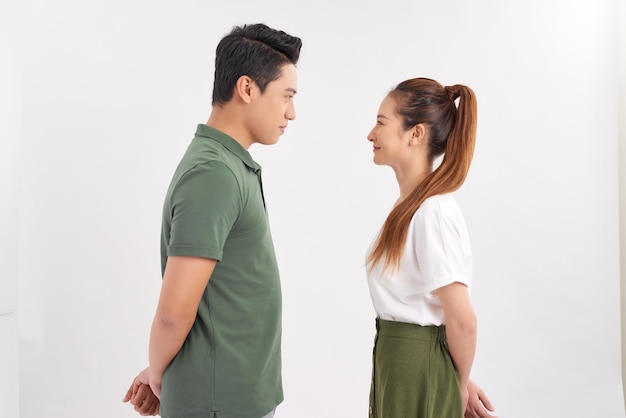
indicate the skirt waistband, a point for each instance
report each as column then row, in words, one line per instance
column 411, row 331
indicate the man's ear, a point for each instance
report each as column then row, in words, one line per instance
column 418, row 134
column 243, row 88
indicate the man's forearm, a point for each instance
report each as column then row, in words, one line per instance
column 166, row 339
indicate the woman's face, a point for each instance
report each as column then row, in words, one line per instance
column 389, row 139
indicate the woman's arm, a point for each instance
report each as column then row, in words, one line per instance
column 460, row 320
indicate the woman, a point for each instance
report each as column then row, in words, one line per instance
column 419, row 266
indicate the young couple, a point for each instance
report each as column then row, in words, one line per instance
column 215, row 342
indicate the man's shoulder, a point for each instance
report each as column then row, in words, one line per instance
column 203, row 154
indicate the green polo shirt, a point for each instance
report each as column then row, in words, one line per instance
column 230, row 363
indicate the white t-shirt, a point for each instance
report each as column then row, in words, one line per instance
column 437, row 253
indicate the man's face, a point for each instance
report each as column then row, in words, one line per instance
column 271, row 110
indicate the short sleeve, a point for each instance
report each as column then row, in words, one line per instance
column 204, row 205
column 442, row 246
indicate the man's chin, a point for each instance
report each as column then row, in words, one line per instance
column 271, row 141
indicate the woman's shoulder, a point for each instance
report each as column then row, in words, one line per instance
column 441, row 203
column 440, row 212
column 442, row 208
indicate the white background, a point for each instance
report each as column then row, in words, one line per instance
column 112, row 92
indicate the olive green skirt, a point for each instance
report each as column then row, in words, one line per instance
column 413, row 375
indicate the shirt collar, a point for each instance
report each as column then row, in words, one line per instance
column 229, row 143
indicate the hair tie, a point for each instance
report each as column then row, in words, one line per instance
column 453, row 92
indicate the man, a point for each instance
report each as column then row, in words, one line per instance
column 217, row 328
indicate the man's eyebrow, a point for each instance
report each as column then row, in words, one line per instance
column 381, row 116
column 291, row 90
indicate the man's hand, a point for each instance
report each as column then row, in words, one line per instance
column 141, row 396
column 478, row 405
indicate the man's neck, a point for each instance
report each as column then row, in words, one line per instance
column 227, row 120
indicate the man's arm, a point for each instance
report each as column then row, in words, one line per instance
column 184, row 282
column 479, row 405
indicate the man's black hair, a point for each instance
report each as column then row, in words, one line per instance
column 257, row 51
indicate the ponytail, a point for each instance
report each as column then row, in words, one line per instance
column 453, row 133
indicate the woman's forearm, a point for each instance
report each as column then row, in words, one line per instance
column 461, row 336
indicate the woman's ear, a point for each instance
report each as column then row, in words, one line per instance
column 243, row 88
column 418, row 134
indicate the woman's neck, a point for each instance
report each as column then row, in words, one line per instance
column 409, row 178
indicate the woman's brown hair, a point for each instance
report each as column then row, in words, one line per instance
column 452, row 133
